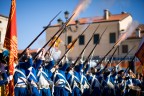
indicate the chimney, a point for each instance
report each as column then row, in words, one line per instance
column 123, row 12
column 106, row 14
column 138, row 32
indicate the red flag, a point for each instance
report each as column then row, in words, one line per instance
column 140, row 54
column 10, row 43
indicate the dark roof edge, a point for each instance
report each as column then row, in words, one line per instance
column 3, row 16
column 87, row 23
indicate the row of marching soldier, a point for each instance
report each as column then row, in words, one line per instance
column 44, row 77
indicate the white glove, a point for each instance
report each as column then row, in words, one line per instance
column 29, row 56
column 89, row 62
column 41, row 54
column 53, row 70
column 50, row 58
column 42, row 58
column 81, row 61
column 10, row 78
column 71, row 72
column 67, row 60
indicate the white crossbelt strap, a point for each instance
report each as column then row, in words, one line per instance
column 86, row 82
column 43, row 83
column 40, row 72
column 30, row 69
column 72, row 80
column 76, row 82
column 23, row 82
column 82, row 87
column 16, row 70
column 69, row 88
column 97, row 82
column 93, row 78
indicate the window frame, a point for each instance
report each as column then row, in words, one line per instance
column 96, row 41
column 83, row 39
column 69, row 39
column 124, row 48
column 112, row 37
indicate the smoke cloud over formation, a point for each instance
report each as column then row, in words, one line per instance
column 128, row 32
column 83, row 4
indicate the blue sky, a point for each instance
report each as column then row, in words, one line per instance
column 33, row 15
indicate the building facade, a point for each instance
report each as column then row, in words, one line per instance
column 116, row 24
column 3, row 27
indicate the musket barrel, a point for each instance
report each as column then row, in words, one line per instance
column 127, row 54
column 110, row 59
column 108, row 52
column 37, row 37
column 58, row 36
column 60, row 30
column 72, row 44
column 86, row 45
column 94, row 47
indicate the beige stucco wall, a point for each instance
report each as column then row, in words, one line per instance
column 131, row 43
column 123, row 24
column 104, row 46
column 3, row 26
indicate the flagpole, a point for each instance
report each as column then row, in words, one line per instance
column 10, row 43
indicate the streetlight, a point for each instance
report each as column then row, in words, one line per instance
column 66, row 13
column 60, row 21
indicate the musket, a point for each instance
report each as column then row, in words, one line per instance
column 110, row 59
column 37, row 36
column 94, row 47
column 60, row 30
column 53, row 42
column 125, row 56
column 72, row 45
column 86, row 46
column 127, row 69
column 108, row 52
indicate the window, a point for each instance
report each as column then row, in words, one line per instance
column 124, row 48
column 96, row 39
column 0, row 21
column 69, row 39
column 112, row 38
column 81, row 40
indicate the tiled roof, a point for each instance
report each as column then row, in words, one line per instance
column 3, row 16
column 141, row 26
column 31, row 51
column 112, row 17
column 117, row 17
column 133, row 36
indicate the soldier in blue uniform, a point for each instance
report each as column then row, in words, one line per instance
column 44, row 77
column 119, row 84
column 107, row 85
column 94, row 83
column 4, row 75
column 3, row 61
column 20, row 79
column 84, row 80
column 31, row 75
column 62, row 87
column 127, row 82
column 76, row 80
